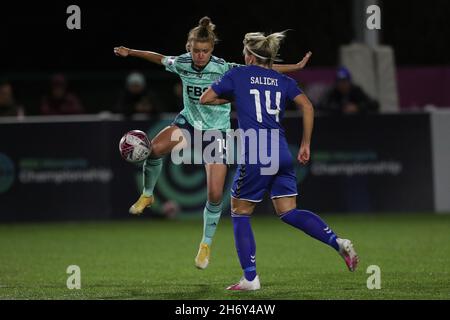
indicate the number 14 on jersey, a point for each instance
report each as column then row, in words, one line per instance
column 269, row 110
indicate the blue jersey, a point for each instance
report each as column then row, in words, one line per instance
column 260, row 97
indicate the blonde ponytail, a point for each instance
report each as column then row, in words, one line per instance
column 264, row 48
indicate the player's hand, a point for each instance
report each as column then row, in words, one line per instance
column 305, row 60
column 303, row 154
column 121, row 51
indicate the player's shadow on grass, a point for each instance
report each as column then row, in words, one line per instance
column 154, row 292
column 192, row 292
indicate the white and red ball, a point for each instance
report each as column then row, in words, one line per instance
column 135, row 146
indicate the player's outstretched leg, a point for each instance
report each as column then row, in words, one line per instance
column 150, row 173
column 211, row 217
column 246, row 250
column 315, row 227
column 215, row 179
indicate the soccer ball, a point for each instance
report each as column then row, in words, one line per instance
column 135, row 146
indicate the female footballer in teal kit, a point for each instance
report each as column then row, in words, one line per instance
column 198, row 69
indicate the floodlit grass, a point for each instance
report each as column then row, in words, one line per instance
column 154, row 259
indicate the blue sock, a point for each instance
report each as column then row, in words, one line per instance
column 245, row 245
column 312, row 225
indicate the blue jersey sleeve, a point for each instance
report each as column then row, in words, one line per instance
column 225, row 85
column 293, row 90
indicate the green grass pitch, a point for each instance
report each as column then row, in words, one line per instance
column 154, row 259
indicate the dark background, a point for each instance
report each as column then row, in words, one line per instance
column 35, row 37
column 35, row 42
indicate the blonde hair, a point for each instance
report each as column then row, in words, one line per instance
column 204, row 32
column 264, row 48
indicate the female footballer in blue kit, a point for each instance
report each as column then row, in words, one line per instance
column 260, row 96
column 198, row 69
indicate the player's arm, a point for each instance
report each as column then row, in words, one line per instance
column 210, row 97
column 146, row 55
column 285, row 68
column 219, row 89
column 307, row 109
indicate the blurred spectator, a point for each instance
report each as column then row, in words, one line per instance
column 59, row 100
column 137, row 98
column 346, row 98
column 170, row 209
column 8, row 105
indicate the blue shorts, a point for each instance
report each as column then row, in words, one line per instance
column 249, row 184
column 216, row 152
